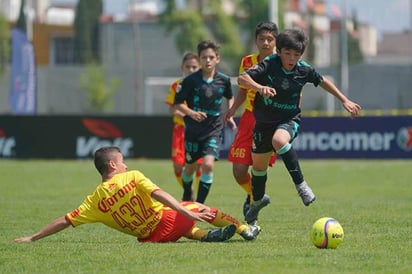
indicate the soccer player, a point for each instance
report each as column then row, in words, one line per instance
column 278, row 81
column 131, row 203
column 240, row 152
column 203, row 91
column 190, row 64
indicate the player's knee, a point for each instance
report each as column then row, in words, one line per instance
column 240, row 172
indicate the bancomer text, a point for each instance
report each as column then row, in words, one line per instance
column 338, row 141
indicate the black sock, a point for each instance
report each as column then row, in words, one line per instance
column 290, row 159
column 202, row 192
column 248, row 199
column 258, row 184
column 187, row 191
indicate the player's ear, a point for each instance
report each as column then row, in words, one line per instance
column 217, row 59
column 111, row 165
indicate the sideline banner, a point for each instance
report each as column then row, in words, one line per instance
column 77, row 137
column 381, row 137
column 23, row 75
column 362, row 137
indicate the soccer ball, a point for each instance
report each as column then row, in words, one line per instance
column 326, row 233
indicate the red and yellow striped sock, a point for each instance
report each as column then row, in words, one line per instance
column 196, row 233
column 223, row 219
column 247, row 185
column 179, row 178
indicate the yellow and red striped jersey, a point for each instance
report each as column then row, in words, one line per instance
column 123, row 203
column 246, row 63
column 170, row 99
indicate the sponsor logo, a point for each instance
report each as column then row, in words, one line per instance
column 107, row 203
column 404, row 138
column 7, row 145
column 354, row 141
column 344, row 141
column 106, row 134
column 337, row 236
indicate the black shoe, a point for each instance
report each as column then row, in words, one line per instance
column 246, row 205
column 251, row 232
column 255, row 207
column 219, row 234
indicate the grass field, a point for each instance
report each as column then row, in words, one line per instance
column 371, row 199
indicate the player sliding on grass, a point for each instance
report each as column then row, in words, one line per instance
column 279, row 80
column 130, row 203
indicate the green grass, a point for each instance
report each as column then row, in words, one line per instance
column 371, row 199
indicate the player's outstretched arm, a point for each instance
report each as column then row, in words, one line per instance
column 246, row 81
column 351, row 107
column 168, row 200
column 52, row 228
column 240, row 98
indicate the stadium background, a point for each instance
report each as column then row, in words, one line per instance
column 382, row 85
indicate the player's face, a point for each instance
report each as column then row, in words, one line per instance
column 208, row 60
column 289, row 58
column 189, row 66
column 265, row 43
column 118, row 161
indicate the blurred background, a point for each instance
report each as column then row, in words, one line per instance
column 119, row 57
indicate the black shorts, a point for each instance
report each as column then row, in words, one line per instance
column 263, row 134
column 195, row 149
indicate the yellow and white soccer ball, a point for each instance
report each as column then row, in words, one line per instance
column 326, row 232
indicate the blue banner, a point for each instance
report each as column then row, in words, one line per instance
column 380, row 137
column 23, row 84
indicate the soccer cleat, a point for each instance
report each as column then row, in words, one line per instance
column 305, row 193
column 251, row 232
column 219, row 234
column 246, row 205
column 255, row 207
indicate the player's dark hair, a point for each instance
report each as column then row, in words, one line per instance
column 267, row 26
column 102, row 157
column 208, row 44
column 190, row 56
column 292, row 39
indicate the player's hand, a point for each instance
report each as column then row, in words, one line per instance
column 232, row 123
column 267, row 91
column 228, row 114
column 352, row 107
column 206, row 215
column 201, row 216
column 23, row 240
column 228, row 117
column 198, row 116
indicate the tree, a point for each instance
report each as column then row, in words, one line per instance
column 225, row 31
column 86, row 25
column 355, row 55
column 99, row 91
column 208, row 20
column 311, row 47
column 21, row 21
column 187, row 26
